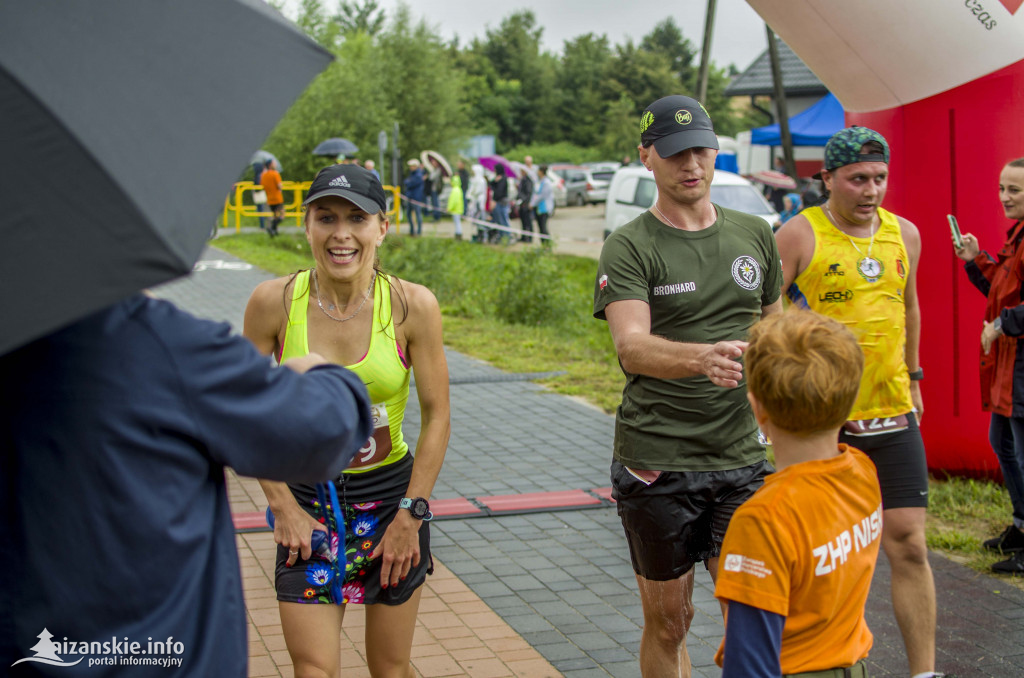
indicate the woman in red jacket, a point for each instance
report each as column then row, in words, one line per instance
column 1002, row 363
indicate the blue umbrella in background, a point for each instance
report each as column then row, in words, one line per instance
column 336, row 146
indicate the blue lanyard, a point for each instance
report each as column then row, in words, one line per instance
column 339, row 572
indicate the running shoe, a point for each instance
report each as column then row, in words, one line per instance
column 1011, row 540
column 1012, row 565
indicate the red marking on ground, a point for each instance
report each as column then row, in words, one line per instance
column 538, row 500
column 459, row 506
column 250, row 521
column 1012, row 5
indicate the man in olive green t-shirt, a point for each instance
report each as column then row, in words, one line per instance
column 680, row 286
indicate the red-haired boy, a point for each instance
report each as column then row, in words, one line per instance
column 799, row 555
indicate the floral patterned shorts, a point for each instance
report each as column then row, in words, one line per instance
column 310, row 581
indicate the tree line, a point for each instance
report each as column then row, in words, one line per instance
column 584, row 104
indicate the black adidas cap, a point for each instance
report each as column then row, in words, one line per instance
column 676, row 123
column 351, row 182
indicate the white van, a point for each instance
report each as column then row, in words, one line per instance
column 632, row 192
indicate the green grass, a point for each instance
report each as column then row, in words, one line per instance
column 525, row 311
column 964, row 512
column 282, row 255
column 531, row 311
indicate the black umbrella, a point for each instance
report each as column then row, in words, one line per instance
column 122, row 127
column 335, row 146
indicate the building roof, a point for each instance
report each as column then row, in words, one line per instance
column 797, row 78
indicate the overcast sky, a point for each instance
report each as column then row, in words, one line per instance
column 739, row 35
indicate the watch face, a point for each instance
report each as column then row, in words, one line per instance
column 419, row 507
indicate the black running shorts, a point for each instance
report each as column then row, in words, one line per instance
column 681, row 517
column 902, row 466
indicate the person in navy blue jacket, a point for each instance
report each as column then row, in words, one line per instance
column 115, row 526
column 414, row 191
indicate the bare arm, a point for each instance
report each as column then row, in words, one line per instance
column 796, row 247
column 775, row 307
column 912, row 239
column 641, row 352
column 399, row 547
column 265, row 315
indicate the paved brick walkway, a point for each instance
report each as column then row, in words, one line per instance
column 551, row 593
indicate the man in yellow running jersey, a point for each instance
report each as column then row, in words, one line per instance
column 851, row 260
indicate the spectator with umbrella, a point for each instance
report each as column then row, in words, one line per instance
column 435, row 184
column 524, row 197
column 438, row 168
column 490, row 162
column 499, row 194
column 776, row 183
column 259, row 197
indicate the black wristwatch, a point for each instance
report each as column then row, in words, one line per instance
column 916, row 375
column 418, row 507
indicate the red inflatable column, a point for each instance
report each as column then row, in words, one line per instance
column 947, row 152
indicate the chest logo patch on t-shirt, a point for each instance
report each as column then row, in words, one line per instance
column 746, row 272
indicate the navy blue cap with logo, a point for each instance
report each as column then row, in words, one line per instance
column 676, row 123
column 351, row 182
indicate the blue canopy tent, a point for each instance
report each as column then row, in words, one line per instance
column 811, row 127
column 726, row 160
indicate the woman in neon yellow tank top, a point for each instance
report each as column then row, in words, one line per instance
column 350, row 312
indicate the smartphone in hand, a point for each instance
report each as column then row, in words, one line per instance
column 954, row 228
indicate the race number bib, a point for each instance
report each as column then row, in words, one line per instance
column 876, row 426
column 378, row 447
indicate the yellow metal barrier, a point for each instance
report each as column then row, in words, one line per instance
column 292, row 207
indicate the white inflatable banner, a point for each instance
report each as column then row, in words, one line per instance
column 877, row 54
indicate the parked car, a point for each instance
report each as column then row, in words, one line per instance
column 633, row 191
column 558, row 189
column 557, row 172
column 585, row 185
column 599, row 166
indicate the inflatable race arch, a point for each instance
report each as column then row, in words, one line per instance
column 943, row 81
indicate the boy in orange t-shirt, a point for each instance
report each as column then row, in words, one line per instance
column 799, row 555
